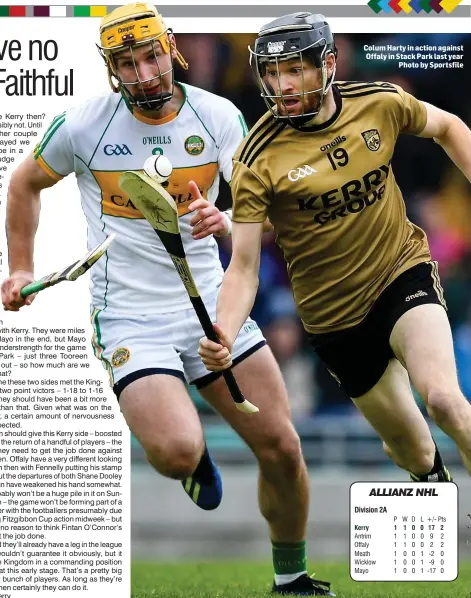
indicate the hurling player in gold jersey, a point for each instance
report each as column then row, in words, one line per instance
column 318, row 165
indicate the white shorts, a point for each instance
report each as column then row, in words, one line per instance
column 131, row 347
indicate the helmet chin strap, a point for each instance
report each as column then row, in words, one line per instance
column 152, row 104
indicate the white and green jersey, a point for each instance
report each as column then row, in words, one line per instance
column 100, row 140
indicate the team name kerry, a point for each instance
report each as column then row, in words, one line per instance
column 352, row 197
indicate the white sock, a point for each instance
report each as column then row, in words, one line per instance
column 287, row 578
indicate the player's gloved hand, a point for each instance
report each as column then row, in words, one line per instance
column 216, row 356
column 207, row 220
column 11, row 287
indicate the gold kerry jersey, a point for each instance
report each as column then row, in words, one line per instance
column 331, row 195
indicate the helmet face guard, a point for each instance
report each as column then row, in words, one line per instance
column 293, row 37
column 127, row 29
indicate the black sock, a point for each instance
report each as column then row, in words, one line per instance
column 204, row 470
column 437, row 466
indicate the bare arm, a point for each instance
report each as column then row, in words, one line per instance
column 452, row 134
column 22, row 217
column 236, row 297
column 240, row 283
column 23, row 207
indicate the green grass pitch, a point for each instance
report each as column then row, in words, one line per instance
column 220, row 579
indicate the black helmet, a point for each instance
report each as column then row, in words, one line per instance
column 292, row 37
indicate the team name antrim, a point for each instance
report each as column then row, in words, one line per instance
column 403, row 492
column 351, row 198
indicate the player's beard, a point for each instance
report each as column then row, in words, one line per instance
column 299, row 105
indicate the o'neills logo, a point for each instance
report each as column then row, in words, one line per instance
column 336, row 141
column 416, row 295
column 124, row 29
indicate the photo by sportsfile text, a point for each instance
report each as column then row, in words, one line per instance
column 426, row 56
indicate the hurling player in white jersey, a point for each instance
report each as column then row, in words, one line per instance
column 145, row 330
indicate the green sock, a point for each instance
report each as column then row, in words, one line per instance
column 289, row 557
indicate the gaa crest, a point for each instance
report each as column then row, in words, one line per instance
column 372, row 139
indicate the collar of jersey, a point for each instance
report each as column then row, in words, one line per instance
column 164, row 119
column 332, row 119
